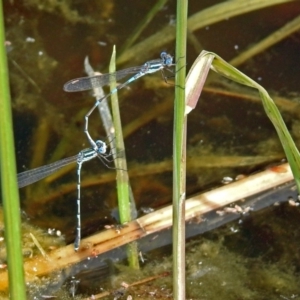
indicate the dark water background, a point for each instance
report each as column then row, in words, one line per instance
column 48, row 43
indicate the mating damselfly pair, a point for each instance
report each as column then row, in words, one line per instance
column 98, row 148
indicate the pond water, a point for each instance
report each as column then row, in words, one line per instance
column 46, row 46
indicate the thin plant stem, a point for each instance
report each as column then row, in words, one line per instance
column 179, row 155
column 10, row 193
column 123, row 187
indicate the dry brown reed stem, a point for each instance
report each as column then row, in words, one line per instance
column 194, row 164
column 267, row 42
column 161, row 219
column 140, row 282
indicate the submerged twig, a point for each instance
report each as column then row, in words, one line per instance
column 142, row 25
column 194, row 163
column 267, row 42
column 154, row 222
column 205, row 17
column 140, row 282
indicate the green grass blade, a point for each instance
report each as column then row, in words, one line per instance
column 225, row 69
column 121, row 168
column 10, row 193
column 179, row 155
column 121, row 165
column 271, row 110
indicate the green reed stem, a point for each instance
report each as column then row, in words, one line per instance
column 123, row 185
column 10, row 193
column 179, row 155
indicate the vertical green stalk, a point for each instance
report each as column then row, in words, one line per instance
column 179, row 154
column 121, row 168
column 10, row 193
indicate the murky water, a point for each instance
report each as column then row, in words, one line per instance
column 48, row 42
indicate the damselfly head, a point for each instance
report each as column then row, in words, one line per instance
column 166, row 58
column 101, row 147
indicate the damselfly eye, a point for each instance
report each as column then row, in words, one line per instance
column 167, row 59
column 101, row 147
column 163, row 54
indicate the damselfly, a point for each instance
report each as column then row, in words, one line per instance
column 88, row 83
column 34, row 175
